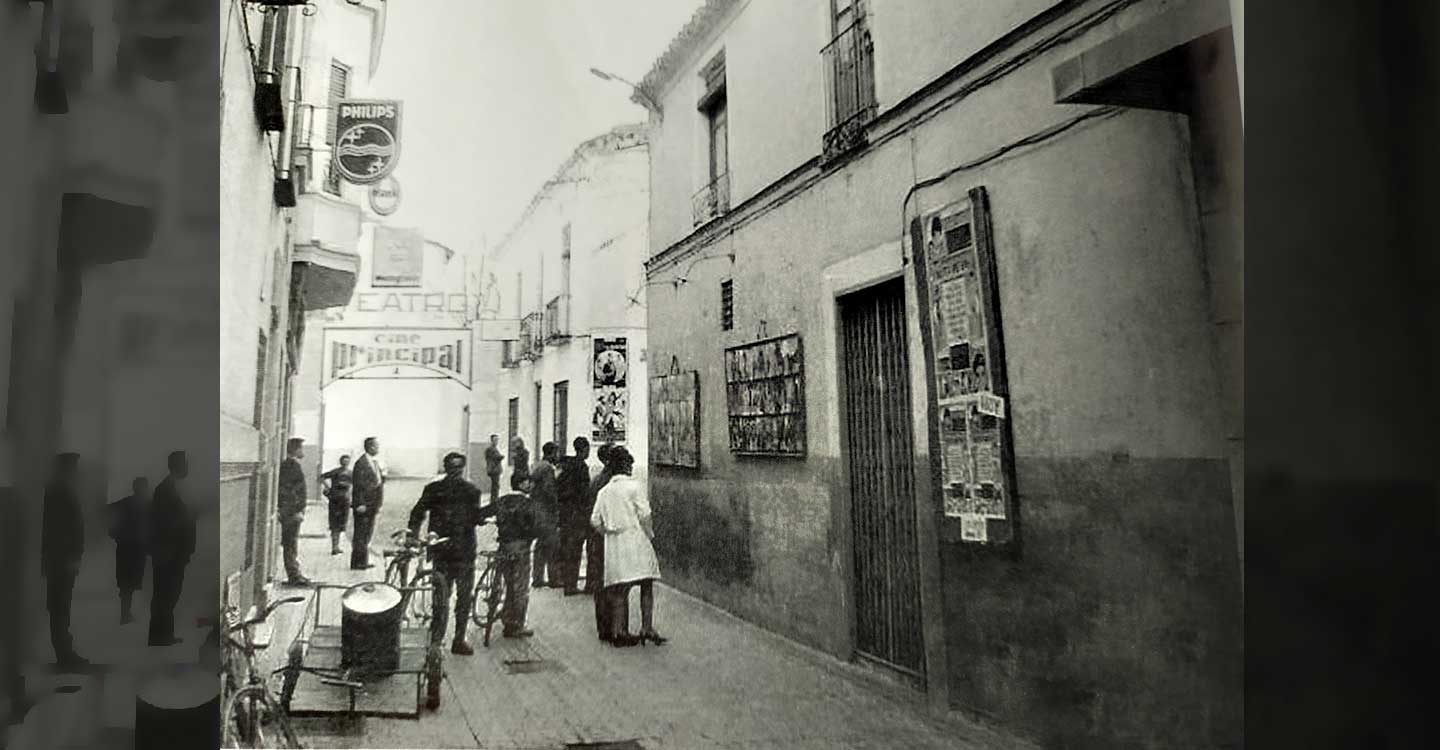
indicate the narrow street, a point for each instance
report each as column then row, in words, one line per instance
column 718, row 683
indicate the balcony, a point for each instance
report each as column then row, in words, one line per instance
column 713, row 200
column 326, row 232
column 531, row 343
column 849, row 63
column 557, row 319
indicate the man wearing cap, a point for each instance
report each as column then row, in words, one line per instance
column 453, row 505
column 62, row 544
column 291, row 508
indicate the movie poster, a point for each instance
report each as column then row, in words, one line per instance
column 972, row 416
column 765, row 397
column 609, row 378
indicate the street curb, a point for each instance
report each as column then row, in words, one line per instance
column 983, row 734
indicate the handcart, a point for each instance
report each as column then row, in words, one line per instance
column 345, row 664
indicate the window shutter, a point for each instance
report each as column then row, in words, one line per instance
column 339, row 89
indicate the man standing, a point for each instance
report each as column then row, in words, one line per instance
column 515, row 521
column 544, row 493
column 172, row 543
column 127, row 528
column 493, row 461
column 453, row 505
column 519, row 458
column 62, row 545
column 369, row 495
column 291, row 506
column 573, row 486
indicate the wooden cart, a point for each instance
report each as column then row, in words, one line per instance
column 317, row 684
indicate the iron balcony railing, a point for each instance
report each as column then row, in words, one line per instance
column 849, row 62
column 531, row 342
column 557, row 318
column 713, row 200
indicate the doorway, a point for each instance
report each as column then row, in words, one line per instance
column 879, row 451
column 539, row 437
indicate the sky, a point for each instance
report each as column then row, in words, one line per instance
column 498, row 93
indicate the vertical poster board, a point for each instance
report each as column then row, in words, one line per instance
column 397, row 257
column 970, row 432
column 610, row 367
column 765, row 396
column 675, row 420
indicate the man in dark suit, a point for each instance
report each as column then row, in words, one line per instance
column 494, row 460
column 127, row 528
column 574, row 487
column 172, row 543
column 291, row 506
column 544, row 493
column 368, row 491
column 62, row 545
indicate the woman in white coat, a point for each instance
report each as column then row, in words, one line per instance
column 622, row 514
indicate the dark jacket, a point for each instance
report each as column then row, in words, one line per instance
column 340, row 479
column 520, row 461
column 293, row 492
column 493, row 460
column 62, row 534
column 171, row 526
column 368, row 486
column 596, row 484
column 127, row 528
column 453, row 505
column 514, row 518
column 544, row 489
column 572, row 487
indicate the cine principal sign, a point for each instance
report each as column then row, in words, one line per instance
column 367, row 139
column 396, row 354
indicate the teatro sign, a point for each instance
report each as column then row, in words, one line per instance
column 397, row 354
column 410, row 302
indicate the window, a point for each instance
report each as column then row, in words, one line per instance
column 514, row 430
column 849, row 78
column 714, row 199
column 339, row 89
column 261, row 351
column 562, row 413
column 727, row 305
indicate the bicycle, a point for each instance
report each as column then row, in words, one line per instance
column 252, row 716
column 490, row 589
column 421, row 586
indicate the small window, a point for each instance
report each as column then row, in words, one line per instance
column 514, row 430
column 261, row 351
column 562, row 414
column 727, row 305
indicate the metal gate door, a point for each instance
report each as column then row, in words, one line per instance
column 880, row 457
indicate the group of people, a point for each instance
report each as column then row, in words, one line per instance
column 357, row 490
column 156, row 526
column 554, row 515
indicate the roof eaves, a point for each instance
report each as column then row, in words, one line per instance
column 705, row 20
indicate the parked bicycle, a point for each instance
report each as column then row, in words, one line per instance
column 421, row 585
column 489, row 593
column 253, row 717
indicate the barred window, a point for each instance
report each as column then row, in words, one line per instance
column 727, row 305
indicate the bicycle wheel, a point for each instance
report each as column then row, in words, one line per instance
column 252, row 719
column 483, row 583
column 422, row 597
column 493, row 598
column 396, row 571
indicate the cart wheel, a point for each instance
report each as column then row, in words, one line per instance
column 434, row 677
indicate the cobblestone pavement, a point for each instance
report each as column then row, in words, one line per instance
column 719, row 683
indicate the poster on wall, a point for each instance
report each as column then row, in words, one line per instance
column 675, row 419
column 397, row 258
column 765, row 397
column 956, row 285
column 609, row 377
